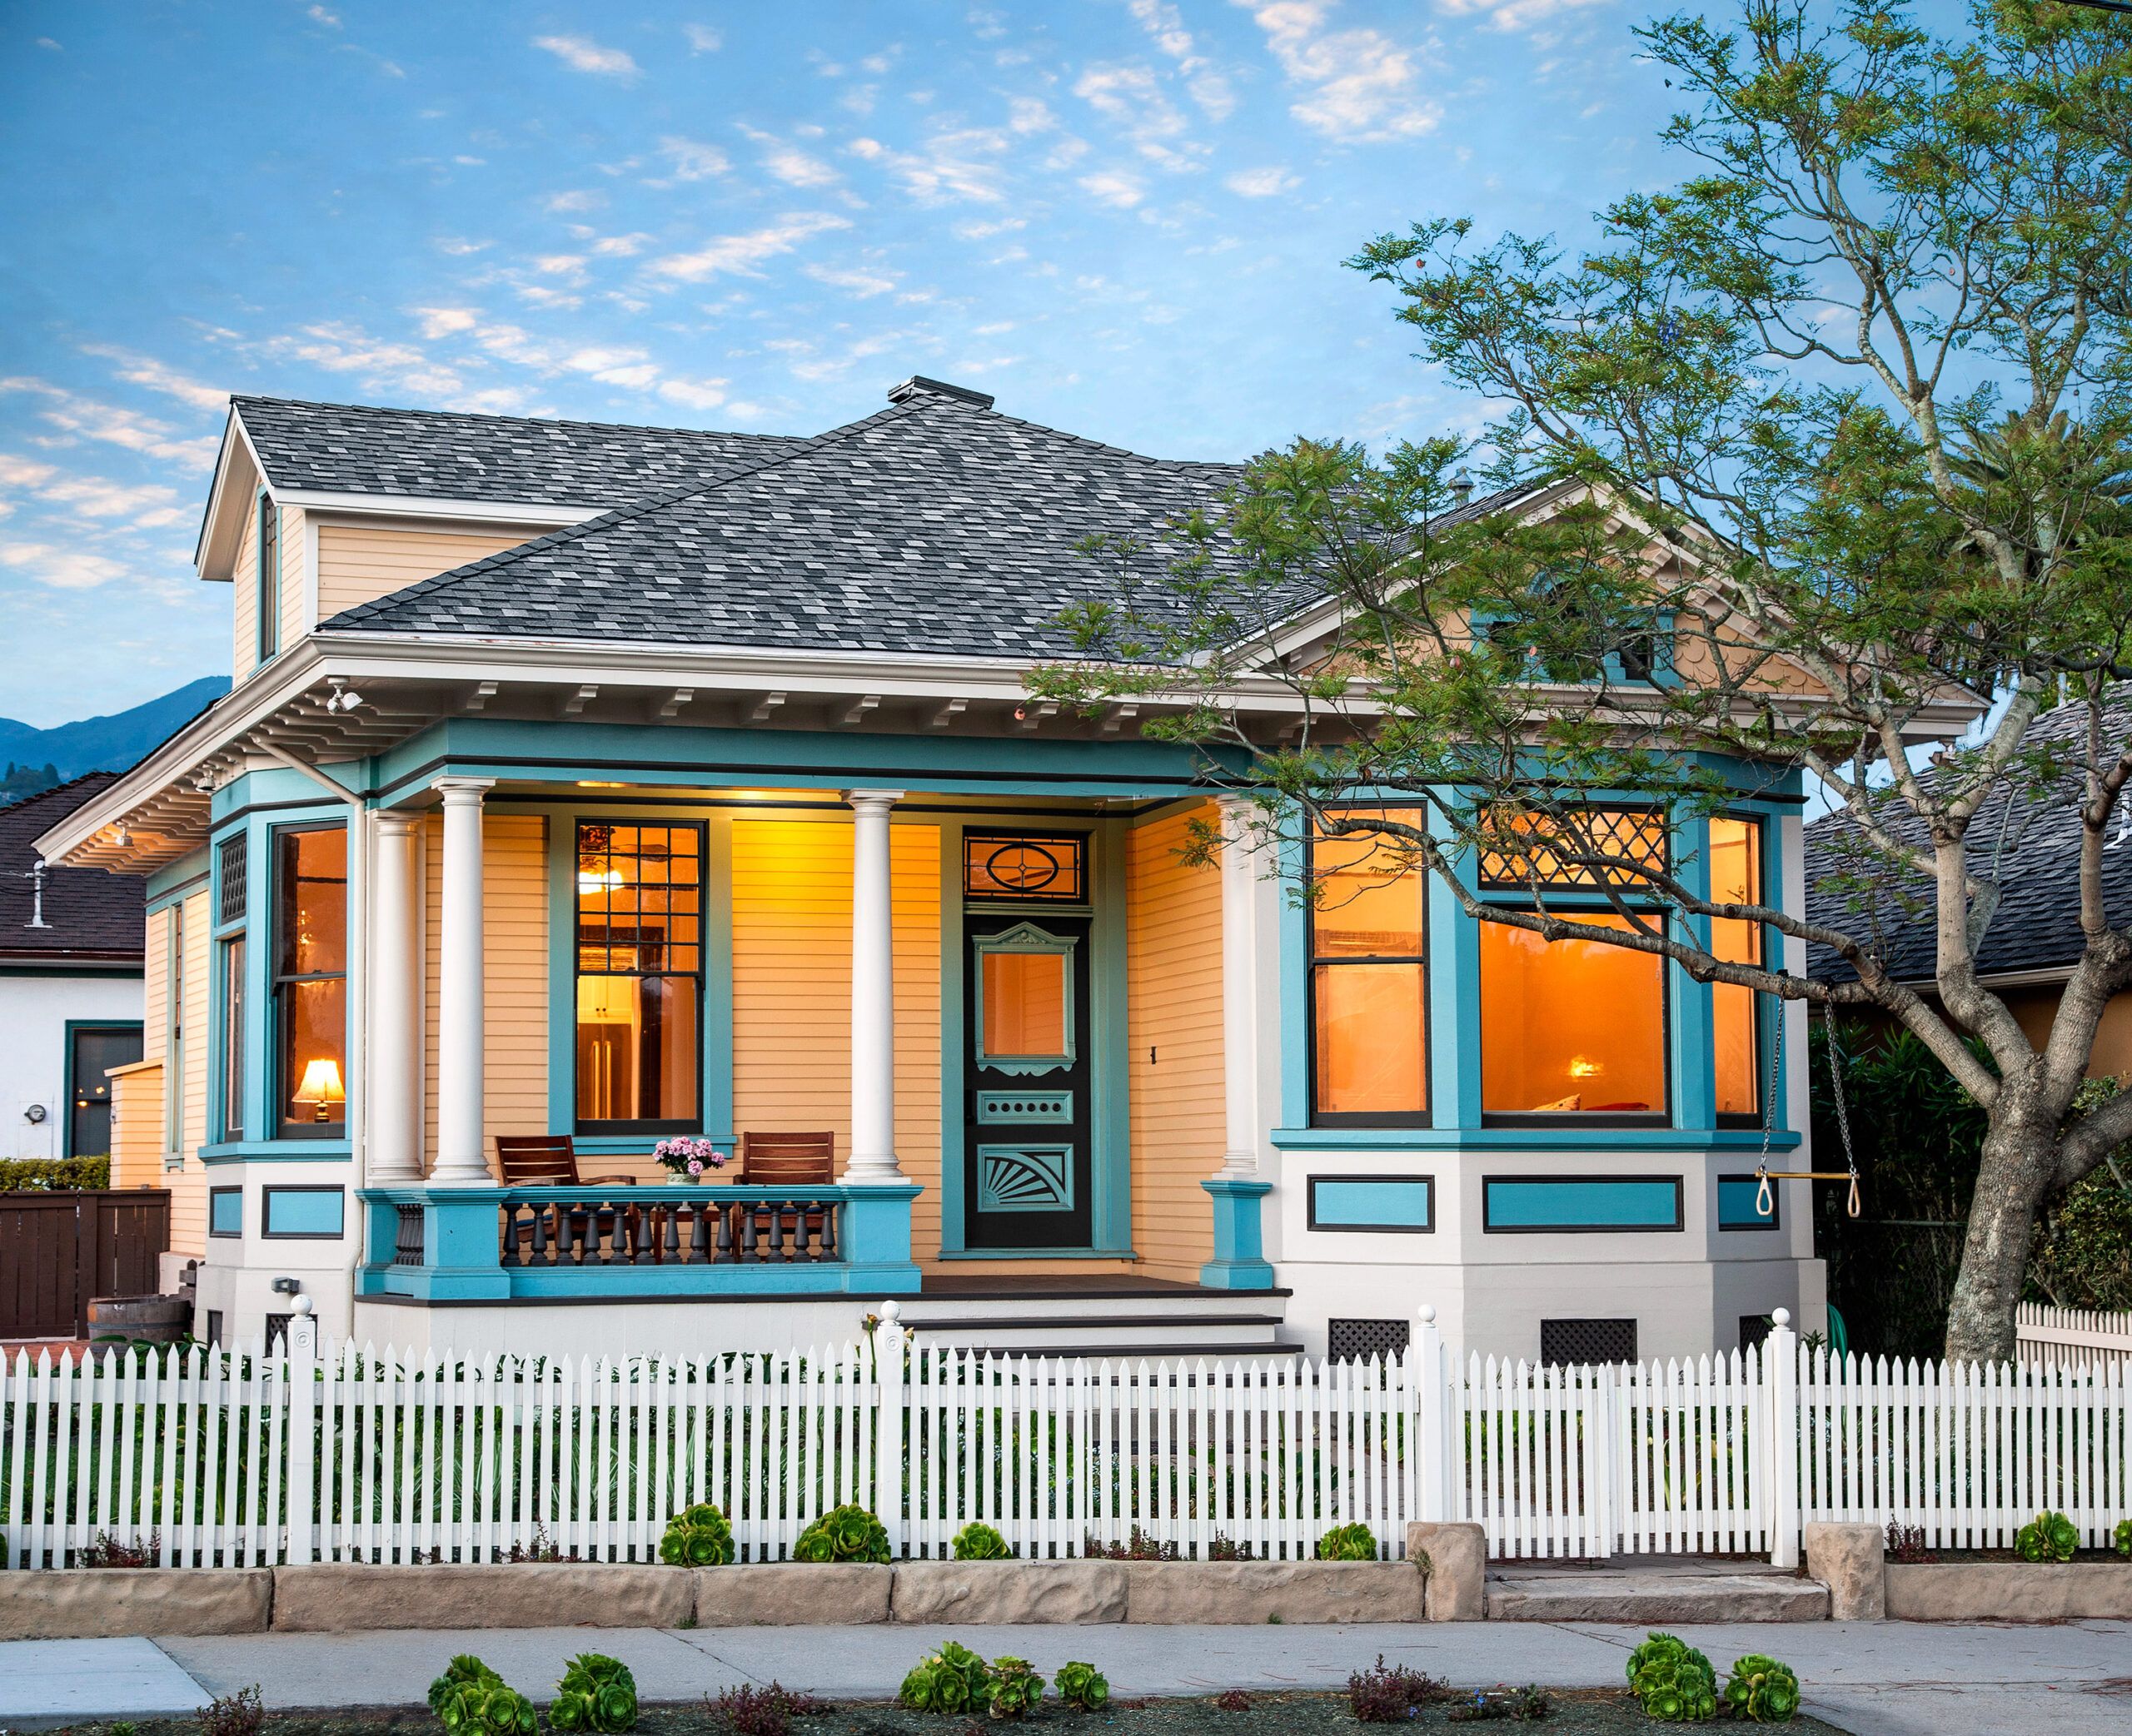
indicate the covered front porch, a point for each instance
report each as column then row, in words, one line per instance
column 1029, row 1032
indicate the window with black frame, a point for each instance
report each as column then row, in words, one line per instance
column 310, row 980
column 639, row 977
column 1368, row 980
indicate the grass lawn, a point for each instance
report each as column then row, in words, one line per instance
column 1577, row 1712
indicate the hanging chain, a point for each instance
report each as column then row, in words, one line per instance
column 1842, row 1112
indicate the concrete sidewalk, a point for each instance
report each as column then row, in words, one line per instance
column 1875, row 1680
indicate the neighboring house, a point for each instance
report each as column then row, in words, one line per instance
column 70, row 984
column 695, row 791
column 2032, row 846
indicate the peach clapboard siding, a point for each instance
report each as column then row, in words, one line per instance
column 294, row 626
column 140, row 1104
column 136, row 1125
column 362, row 563
column 514, row 976
column 1173, row 1009
column 244, row 614
column 792, row 990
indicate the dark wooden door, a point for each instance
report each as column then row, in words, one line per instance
column 95, row 1050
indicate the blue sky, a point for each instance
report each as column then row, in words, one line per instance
column 1123, row 217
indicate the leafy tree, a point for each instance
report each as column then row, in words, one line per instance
column 1801, row 461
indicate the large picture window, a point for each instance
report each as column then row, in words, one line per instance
column 1735, row 877
column 1368, row 982
column 310, row 980
column 1571, row 1027
column 639, row 977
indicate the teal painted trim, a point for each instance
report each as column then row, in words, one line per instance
column 1597, row 1140
column 1691, row 1030
column 716, row 929
column 1239, row 1261
column 1030, row 937
column 1347, row 1202
column 1739, row 1205
column 1542, row 1203
column 1294, row 976
column 277, row 1151
column 1042, row 1254
column 953, row 1152
column 1768, row 1009
column 178, row 882
column 562, row 969
column 1454, row 968
column 1110, row 1219
column 1025, row 1177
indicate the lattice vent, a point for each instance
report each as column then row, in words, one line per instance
column 1356, row 1341
column 1587, row 1341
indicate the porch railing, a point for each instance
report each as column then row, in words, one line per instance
column 483, row 1243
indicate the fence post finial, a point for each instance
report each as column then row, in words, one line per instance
column 300, row 1345
column 889, row 1424
column 1780, row 1373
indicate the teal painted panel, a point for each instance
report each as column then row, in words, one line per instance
column 1578, row 1203
column 302, row 1210
column 1391, row 1202
column 226, row 1212
column 1736, row 1196
column 1025, row 1178
column 1025, row 1106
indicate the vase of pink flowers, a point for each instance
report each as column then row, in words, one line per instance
column 689, row 1158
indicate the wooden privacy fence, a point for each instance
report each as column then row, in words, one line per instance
column 2046, row 1337
column 228, row 1458
column 61, row 1247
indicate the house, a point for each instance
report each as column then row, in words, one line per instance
column 70, row 984
column 625, row 784
column 2034, row 939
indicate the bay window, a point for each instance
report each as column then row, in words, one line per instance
column 310, row 980
column 1368, row 980
column 1571, row 1027
column 639, row 977
column 1735, row 877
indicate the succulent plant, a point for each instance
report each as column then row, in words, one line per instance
column 2121, row 1539
column 1761, row 1690
column 950, row 1681
column 1082, row 1687
column 1672, row 1681
column 597, row 1693
column 1347, row 1543
column 979, row 1542
column 844, row 1534
column 471, row 1700
column 2047, row 1537
column 1012, row 1688
column 697, row 1536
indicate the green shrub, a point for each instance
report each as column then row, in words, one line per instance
column 2047, row 1537
column 977, row 1542
column 1012, row 1688
column 471, row 1700
column 697, row 1536
column 1672, row 1681
column 844, row 1534
column 41, row 1175
column 1082, row 1687
column 950, row 1681
column 596, row 1694
column 1761, row 1690
column 1347, row 1543
column 2121, row 1539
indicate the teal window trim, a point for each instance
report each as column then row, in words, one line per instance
column 1368, row 1204
column 67, row 1052
column 1664, row 672
column 1110, row 1217
column 1314, row 961
column 1728, row 1140
column 274, row 1067
column 267, row 523
column 1647, row 1204
column 276, row 1151
column 1032, row 938
column 1737, row 1197
column 953, row 1151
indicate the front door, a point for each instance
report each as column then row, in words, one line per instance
column 1028, row 1169
column 97, row 1049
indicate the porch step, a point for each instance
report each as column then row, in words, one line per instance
column 1131, row 1319
column 1652, row 1591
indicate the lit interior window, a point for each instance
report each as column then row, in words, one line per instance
column 1735, row 877
column 1024, row 1005
column 1368, row 980
column 1570, row 1027
column 311, row 983
column 640, row 975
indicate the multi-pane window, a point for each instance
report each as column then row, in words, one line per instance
column 639, row 977
column 1571, row 1027
column 1368, row 980
column 269, row 578
column 1581, row 847
column 311, row 980
column 1735, row 877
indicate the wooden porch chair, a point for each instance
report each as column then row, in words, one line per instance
column 550, row 1160
column 796, row 1161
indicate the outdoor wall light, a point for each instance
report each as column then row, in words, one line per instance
column 284, row 1287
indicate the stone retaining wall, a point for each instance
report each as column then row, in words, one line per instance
column 2009, row 1591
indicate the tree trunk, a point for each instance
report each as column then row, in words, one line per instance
column 2020, row 1150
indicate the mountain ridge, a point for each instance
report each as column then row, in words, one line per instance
column 109, row 743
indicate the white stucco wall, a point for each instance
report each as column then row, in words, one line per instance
column 34, row 1011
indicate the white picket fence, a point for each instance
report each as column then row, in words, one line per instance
column 215, row 1458
column 2047, row 1337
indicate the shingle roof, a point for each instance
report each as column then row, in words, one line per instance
column 92, row 916
column 2037, row 926
column 444, row 455
column 936, row 525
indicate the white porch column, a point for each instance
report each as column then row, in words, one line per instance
column 1239, row 992
column 395, row 1010
column 462, row 1156
column 873, row 992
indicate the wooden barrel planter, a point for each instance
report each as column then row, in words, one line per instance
column 154, row 1319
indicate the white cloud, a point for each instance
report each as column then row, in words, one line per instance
column 458, row 246
column 862, row 283
column 578, row 199
column 63, row 567
column 583, row 55
column 76, row 418
column 1030, row 114
column 621, row 246
column 1114, row 186
column 1131, row 96
column 695, row 393
column 1357, row 84
column 438, row 322
column 322, row 15
column 791, row 165
column 1165, row 27
column 957, row 164
column 144, row 506
column 1511, row 14
column 138, row 370
column 702, row 39
column 742, row 255
column 1260, row 183
column 693, row 160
